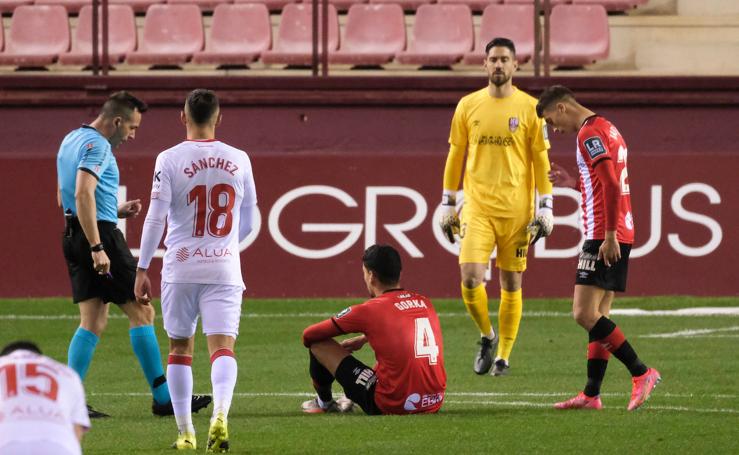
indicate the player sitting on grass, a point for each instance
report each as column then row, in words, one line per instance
column 403, row 329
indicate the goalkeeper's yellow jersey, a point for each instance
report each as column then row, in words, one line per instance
column 506, row 144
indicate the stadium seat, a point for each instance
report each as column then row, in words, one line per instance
column 612, row 5
column 475, row 5
column 73, row 6
column 294, row 44
column 407, row 5
column 121, row 36
column 38, row 34
column 7, row 6
column 515, row 22
column 238, row 35
column 442, row 35
column 342, row 5
column 172, row 34
column 205, row 5
column 139, row 6
column 579, row 35
column 272, row 5
column 531, row 2
column 372, row 36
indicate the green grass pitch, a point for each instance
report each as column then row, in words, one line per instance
column 694, row 410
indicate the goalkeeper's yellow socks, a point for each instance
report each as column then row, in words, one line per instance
column 509, row 318
column 476, row 301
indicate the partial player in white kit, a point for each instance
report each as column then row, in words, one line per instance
column 42, row 403
column 204, row 190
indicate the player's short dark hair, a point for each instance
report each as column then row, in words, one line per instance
column 122, row 104
column 384, row 262
column 500, row 42
column 551, row 96
column 21, row 344
column 201, row 105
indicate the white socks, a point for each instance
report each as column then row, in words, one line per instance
column 179, row 379
column 223, row 372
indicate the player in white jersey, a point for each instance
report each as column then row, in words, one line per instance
column 42, row 404
column 204, row 189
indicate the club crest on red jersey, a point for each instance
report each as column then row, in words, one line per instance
column 513, row 124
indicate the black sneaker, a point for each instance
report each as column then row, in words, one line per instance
column 484, row 358
column 93, row 414
column 500, row 368
column 198, row 402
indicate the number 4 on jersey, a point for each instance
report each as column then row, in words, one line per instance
column 425, row 345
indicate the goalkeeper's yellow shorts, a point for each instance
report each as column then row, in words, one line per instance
column 481, row 234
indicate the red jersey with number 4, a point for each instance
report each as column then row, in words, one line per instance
column 597, row 141
column 403, row 329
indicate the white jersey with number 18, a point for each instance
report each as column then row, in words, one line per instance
column 206, row 183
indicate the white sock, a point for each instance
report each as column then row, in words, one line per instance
column 179, row 379
column 223, row 373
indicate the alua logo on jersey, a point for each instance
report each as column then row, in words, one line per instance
column 513, row 124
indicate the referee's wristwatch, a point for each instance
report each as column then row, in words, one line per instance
column 97, row 248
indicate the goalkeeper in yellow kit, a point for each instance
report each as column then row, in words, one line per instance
column 506, row 145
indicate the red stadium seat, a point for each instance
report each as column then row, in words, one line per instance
column 341, row 5
column 121, row 36
column 73, row 6
column 442, row 35
column 407, row 5
column 294, row 44
column 205, row 5
column 372, row 36
column 38, row 34
column 272, row 5
column 612, row 5
column 580, row 34
column 541, row 2
column 172, row 34
column 475, row 5
column 515, row 22
column 7, row 6
column 238, row 35
column 139, row 6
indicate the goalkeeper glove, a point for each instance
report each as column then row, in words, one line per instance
column 449, row 220
column 543, row 222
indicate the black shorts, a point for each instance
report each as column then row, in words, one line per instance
column 358, row 381
column 86, row 282
column 591, row 271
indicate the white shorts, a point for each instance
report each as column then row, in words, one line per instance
column 218, row 304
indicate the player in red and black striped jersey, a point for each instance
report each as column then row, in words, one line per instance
column 403, row 330
column 608, row 226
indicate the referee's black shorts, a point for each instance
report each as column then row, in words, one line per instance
column 86, row 282
column 594, row 272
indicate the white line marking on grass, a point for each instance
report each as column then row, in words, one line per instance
column 636, row 312
column 691, row 333
column 450, row 394
column 529, row 404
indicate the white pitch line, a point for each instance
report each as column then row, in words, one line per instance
column 691, row 333
column 450, row 394
column 529, row 404
column 635, row 312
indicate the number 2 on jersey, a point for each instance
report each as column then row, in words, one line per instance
column 425, row 345
column 212, row 210
column 10, row 388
